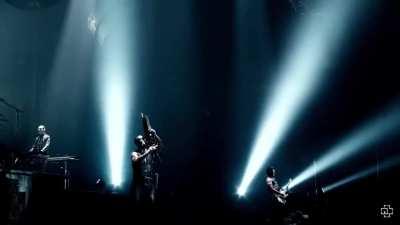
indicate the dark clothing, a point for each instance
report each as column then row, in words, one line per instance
column 138, row 175
column 36, row 160
column 41, row 144
column 153, row 139
column 278, row 209
column 278, row 213
column 273, row 184
column 149, row 167
column 153, row 160
column 145, row 169
column 144, row 175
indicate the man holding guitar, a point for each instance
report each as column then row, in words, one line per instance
column 279, row 197
column 279, row 194
column 145, row 176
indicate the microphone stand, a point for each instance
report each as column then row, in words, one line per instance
column 315, row 179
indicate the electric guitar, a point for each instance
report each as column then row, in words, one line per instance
column 136, row 156
column 282, row 198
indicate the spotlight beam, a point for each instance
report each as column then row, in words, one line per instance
column 298, row 78
column 115, row 83
column 387, row 164
column 115, row 115
column 367, row 135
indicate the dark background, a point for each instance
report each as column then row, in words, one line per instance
column 202, row 74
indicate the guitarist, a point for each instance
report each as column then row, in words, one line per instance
column 279, row 196
column 144, row 180
column 153, row 166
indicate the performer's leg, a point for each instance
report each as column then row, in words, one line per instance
column 44, row 163
column 153, row 195
column 278, row 213
column 154, row 188
column 138, row 193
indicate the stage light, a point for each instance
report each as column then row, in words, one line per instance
column 387, row 164
column 312, row 49
column 115, row 84
column 116, row 121
column 371, row 133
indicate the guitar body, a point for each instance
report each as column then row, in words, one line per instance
column 282, row 199
column 285, row 192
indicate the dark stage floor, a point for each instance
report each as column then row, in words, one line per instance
column 357, row 204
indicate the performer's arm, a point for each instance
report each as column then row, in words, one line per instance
column 159, row 141
column 34, row 145
column 275, row 191
column 46, row 146
column 148, row 151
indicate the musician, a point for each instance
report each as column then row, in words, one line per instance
column 42, row 142
column 152, row 140
column 279, row 209
column 273, row 186
column 40, row 149
column 145, row 177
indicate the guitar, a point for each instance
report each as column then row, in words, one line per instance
column 284, row 194
column 135, row 156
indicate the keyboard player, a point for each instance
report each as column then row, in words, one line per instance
column 39, row 152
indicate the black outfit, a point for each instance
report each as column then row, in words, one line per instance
column 278, row 210
column 153, row 160
column 144, row 175
column 41, row 144
column 146, row 168
column 138, row 177
column 154, row 139
column 37, row 160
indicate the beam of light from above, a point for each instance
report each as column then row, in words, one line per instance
column 310, row 51
column 66, row 66
column 116, row 101
column 367, row 135
column 114, row 85
column 387, row 164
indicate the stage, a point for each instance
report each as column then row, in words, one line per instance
column 199, row 112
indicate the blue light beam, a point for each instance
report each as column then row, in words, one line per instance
column 387, row 164
column 368, row 134
column 311, row 50
column 116, row 77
